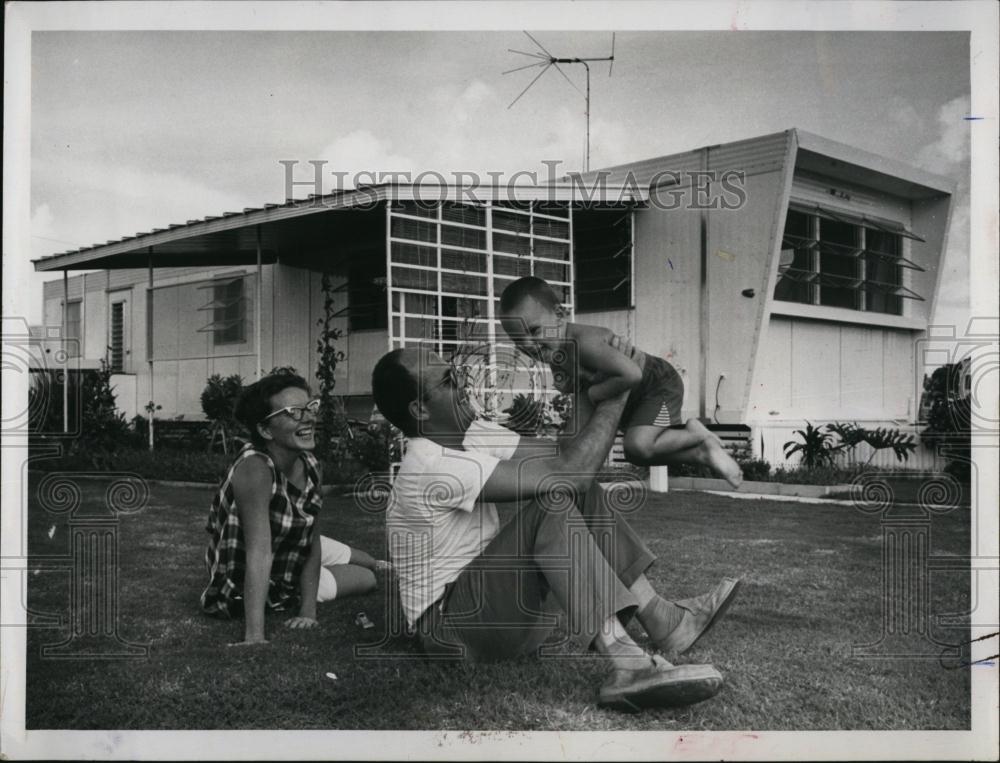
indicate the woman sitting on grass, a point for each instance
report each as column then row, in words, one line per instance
column 265, row 551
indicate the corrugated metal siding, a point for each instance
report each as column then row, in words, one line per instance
column 126, row 277
column 54, row 289
column 643, row 172
column 764, row 154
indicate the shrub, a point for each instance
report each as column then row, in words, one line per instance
column 949, row 431
column 816, row 448
column 218, row 401
column 165, row 464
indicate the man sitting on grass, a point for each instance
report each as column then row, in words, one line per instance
column 475, row 590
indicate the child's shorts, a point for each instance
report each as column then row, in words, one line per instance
column 657, row 400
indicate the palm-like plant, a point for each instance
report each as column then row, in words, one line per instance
column 816, row 448
column 882, row 438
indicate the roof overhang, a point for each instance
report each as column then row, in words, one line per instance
column 842, row 162
column 233, row 238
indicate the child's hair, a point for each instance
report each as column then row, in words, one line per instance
column 529, row 286
column 254, row 402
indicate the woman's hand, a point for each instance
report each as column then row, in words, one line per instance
column 302, row 622
column 382, row 565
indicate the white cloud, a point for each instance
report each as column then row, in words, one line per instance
column 359, row 152
column 949, row 153
column 90, row 202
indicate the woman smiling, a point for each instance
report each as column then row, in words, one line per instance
column 264, row 551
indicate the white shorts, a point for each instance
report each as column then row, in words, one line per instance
column 333, row 553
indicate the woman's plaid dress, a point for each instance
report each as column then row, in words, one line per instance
column 292, row 515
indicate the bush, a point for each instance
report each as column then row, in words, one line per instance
column 816, row 448
column 218, row 401
column 949, row 431
column 164, row 464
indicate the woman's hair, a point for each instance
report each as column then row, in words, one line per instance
column 254, row 402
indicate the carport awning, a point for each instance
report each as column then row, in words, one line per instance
column 294, row 227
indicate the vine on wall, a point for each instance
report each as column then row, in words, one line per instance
column 331, row 418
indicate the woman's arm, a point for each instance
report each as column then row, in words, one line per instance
column 252, row 491
column 309, row 586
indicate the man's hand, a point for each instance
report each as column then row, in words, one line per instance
column 302, row 622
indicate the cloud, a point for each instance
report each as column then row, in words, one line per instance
column 949, row 152
column 359, row 152
column 90, row 202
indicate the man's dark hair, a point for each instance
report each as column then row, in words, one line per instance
column 254, row 402
column 394, row 388
column 522, row 288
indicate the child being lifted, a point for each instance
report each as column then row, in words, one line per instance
column 582, row 355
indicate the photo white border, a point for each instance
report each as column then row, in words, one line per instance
column 979, row 18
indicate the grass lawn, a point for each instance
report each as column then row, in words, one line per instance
column 812, row 588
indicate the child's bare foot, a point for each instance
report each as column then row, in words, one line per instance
column 697, row 428
column 723, row 464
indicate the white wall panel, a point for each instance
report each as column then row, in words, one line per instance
column 861, row 373
column 815, row 356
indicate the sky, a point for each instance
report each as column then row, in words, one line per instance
column 133, row 130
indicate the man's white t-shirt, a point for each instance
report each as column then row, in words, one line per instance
column 435, row 523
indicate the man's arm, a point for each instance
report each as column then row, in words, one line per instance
column 577, row 460
column 616, row 371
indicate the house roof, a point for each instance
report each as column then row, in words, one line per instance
column 767, row 152
column 232, row 237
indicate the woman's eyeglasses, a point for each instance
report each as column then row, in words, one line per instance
column 296, row 412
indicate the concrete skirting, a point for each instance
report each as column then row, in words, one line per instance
column 757, row 488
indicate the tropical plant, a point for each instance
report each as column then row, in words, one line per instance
column 851, row 435
column 332, row 421
column 883, row 438
column 815, row 449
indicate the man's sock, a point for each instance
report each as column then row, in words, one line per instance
column 660, row 617
column 624, row 654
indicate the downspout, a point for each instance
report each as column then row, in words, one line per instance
column 256, row 309
column 703, row 294
column 149, row 343
column 65, row 354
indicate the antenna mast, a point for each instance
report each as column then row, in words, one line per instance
column 547, row 61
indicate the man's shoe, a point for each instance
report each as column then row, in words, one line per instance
column 660, row 685
column 700, row 614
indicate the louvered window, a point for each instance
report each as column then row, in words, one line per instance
column 838, row 261
column 117, row 347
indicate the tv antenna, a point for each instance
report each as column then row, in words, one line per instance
column 547, row 60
